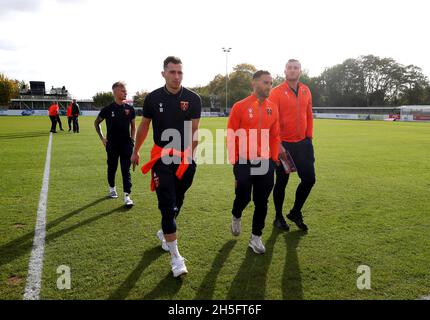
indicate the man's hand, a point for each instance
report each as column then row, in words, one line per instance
column 135, row 158
column 104, row 141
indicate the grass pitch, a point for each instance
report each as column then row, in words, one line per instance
column 370, row 206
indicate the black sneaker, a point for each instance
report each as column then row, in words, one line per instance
column 297, row 218
column 281, row 224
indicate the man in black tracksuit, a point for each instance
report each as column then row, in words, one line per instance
column 75, row 114
column 119, row 143
column 175, row 115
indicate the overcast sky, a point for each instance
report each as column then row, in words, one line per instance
column 87, row 45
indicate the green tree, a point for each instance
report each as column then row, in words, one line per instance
column 239, row 85
column 204, row 94
column 139, row 98
column 9, row 89
column 102, row 99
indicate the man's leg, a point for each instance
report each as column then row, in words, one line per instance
column 126, row 152
column 69, row 122
column 182, row 185
column 243, row 188
column 304, row 159
column 262, row 186
column 53, row 123
column 59, row 122
column 77, row 124
column 75, row 128
column 279, row 189
column 279, row 197
column 164, row 179
column 112, row 165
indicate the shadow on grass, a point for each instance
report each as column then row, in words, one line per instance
column 207, row 287
column 23, row 135
column 250, row 280
column 22, row 245
column 291, row 278
column 167, row 288
column 148, row 257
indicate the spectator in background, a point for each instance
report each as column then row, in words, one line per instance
column 69, row 116
column 53, row 115
column 75, row 113
column 58, row 118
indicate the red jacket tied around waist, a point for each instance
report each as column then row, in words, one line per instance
column 158, row 152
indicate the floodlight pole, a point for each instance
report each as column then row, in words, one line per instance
column 226, row 50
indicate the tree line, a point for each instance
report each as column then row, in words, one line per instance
column 361, row 82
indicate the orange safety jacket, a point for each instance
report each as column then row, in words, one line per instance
column 158, row 152
column 295, row 112
column 53, row 110
column 249, row 114
column 69, row 111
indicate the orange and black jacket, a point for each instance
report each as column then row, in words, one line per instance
column 253, row 130
column 69, row 111
column 53, row 110
column 295, row 111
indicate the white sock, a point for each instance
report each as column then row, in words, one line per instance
column 173, row 248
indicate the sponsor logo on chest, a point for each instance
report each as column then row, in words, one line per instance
column 184, row 105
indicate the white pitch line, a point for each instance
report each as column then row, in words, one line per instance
column 35, row 266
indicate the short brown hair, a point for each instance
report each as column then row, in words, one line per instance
column 118, row 84
column 260, row 73
column 171, row 59
column 294, row 61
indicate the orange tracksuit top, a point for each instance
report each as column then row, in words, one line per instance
column 295, row 112
column 263, row 143
column 53, row 110
column 69, row 111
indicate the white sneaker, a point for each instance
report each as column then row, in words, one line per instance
column 178, row 267
column 236, row 226
column 160, row 235
column 112, row 193
column 128, row 202
column 257, row 245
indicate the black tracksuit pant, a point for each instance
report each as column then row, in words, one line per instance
column 59, row 122
column 53, row 123
column 171, row 191
column 121, row 150
column 69, row 122
column 75, row 124
column 302, row 153
column 260, row 185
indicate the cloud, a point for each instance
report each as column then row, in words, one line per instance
column 8, row 6
column 6, row 45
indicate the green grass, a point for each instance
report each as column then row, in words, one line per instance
column 370, row 206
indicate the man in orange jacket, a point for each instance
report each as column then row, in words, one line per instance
column 253, row 148
column 294, row 101
column 69, row 116
column 53, row 116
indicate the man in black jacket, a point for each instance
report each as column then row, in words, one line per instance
column 75, row 114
